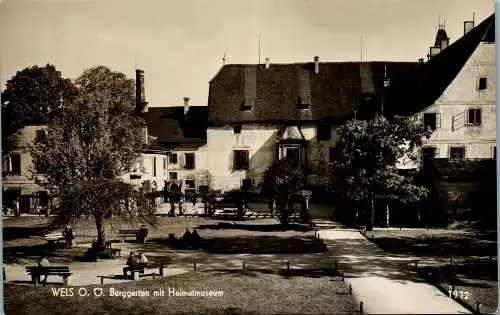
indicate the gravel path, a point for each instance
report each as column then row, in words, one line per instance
column 384, row 282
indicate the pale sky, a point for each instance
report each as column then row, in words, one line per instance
column 180, row 44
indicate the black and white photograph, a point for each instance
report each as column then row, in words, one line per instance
column 248, row 157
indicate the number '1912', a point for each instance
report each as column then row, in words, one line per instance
column 463, row 295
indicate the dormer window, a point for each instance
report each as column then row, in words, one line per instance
column 246, row 105
column 237, row 129
column 303, row 102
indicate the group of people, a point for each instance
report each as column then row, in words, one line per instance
column 134, row 260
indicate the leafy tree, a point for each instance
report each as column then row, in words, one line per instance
column 90, row 144
column 282, row 182
column 365, row 165
column 29, row 95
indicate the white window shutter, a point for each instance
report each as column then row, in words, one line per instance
column 466, row 115
column 438, row 120
column 436, row 153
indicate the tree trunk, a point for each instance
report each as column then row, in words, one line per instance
column 387, row 215
column 101, row 236
column 372, row 215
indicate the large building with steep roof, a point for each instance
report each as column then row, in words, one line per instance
column 260, row 113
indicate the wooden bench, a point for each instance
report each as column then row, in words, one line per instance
column 139, row 269
column 36, row 272
column 110, row 251
column 54, row 237
column 125, row 233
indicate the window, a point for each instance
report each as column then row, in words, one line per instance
column 172, row 175
column 135, row 176
column 428, row 153
column 189, row 161
column 203, row 189
column 494, row 153
column 237, row 129
column 457, row 152
column 190, row 184
column 431, row 120
column 154, row 166
column 246, row 184
column 246, row 104
column 293, row 154
column 323, row 131
column 240, row 159
column 40, row 136
column 164, row 166
column 172, row 158
column 474, row 117
column 15, row 163
column 482, row 84
column 303, row 102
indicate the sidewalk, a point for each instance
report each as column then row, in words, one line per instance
column 383, row 281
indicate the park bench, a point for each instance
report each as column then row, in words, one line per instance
column 54, row 237
column 139, row 269
column 112, row 252
column 36, row 272
column 126, row 233
column 225, row 212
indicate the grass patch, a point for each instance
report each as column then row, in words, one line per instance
column 244, row 293
column 24, row 247
column 437, row 242
column 263, row 245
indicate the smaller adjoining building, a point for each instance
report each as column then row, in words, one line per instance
column 175, row 156
column 18, row 177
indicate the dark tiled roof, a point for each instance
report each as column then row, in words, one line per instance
column 422, row 88
column 169, row 125
column 274, row 92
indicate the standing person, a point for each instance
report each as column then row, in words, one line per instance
column 16, row 207
column 143, row 234
column 68, row 235
column 131, row 262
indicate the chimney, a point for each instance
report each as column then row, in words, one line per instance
column 140, row 96
column 186, row 105
column 468, row 26
column 434, row 51
column 316, row 64
column 267, row 63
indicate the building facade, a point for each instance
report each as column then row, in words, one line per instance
column 260, row 113
column 18, row 177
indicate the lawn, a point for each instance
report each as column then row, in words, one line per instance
column 436, row 242
column 474, row 275
column 243, row 293
column 25, row 242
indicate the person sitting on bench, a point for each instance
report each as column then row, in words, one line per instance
column 43, row 262
column 131, row 262
column 142, row 258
